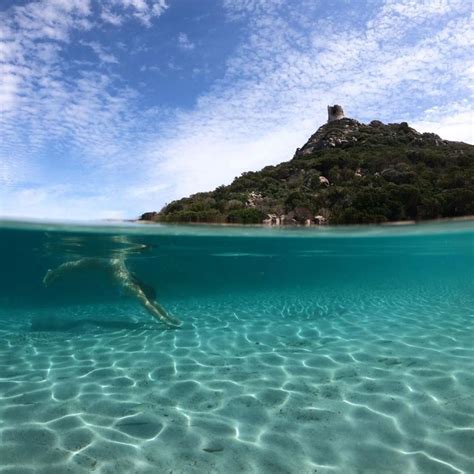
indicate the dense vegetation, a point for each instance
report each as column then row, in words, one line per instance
column 347, row 173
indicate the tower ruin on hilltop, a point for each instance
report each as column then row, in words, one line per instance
column 335, row 112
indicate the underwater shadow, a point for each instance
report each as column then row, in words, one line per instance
column 62, row 325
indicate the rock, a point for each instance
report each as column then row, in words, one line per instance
column 273, row 219
column 338, row 133
column 289, row 219
column 213, row 448
column 254, row 199
column 376, row 123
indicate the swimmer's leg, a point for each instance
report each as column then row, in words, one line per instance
column 159, row 313
column 87, row 262
column 153, row 307
column 52, row 275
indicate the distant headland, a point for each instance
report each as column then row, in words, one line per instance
column 346, row 173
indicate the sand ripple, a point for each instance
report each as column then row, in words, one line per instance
column 297, row 383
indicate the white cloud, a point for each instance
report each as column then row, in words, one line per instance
column 11, row 170
column 150, row 191
column 101, row 53
column 236, row 9
column 59, row 201
column 109, row 17
column 197, row 161
column 143, row 10
column 452, row 122
column 184, row 43
column 115, row 12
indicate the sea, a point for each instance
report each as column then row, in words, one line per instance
column 300, row 350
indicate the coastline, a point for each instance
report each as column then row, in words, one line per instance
column 226, row 224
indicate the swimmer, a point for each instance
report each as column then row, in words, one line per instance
column 116, row 268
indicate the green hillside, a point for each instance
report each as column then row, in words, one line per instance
column 347, row 173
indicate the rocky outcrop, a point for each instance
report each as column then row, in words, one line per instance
column 346, row 132
column 337, row 133
column 254, row 199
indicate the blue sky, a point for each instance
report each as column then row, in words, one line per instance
column 111, row 108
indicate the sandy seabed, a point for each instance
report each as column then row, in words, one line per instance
column 262, row 383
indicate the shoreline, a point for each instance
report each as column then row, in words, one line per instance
column 289, row 226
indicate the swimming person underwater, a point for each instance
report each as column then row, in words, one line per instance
column 117, row 269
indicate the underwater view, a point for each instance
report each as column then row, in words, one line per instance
column 201, row 349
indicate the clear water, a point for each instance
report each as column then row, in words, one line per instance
column 301, row 351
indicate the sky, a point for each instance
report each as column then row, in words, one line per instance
column 112, row 108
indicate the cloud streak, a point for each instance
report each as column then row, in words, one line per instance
column 184, row 43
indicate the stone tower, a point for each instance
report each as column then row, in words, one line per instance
column 335, row 112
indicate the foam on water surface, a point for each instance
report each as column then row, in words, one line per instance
column 300, row 352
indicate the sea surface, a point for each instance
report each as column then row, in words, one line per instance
column 328, row 350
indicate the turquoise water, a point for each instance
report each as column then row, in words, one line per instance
column 301, row 350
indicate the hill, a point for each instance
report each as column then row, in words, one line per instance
column 347, row 173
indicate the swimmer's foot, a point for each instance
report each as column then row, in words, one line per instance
column 173, row 322
column 160, row 314
column 49, row 277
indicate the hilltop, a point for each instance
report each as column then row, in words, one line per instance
column 347, row 173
